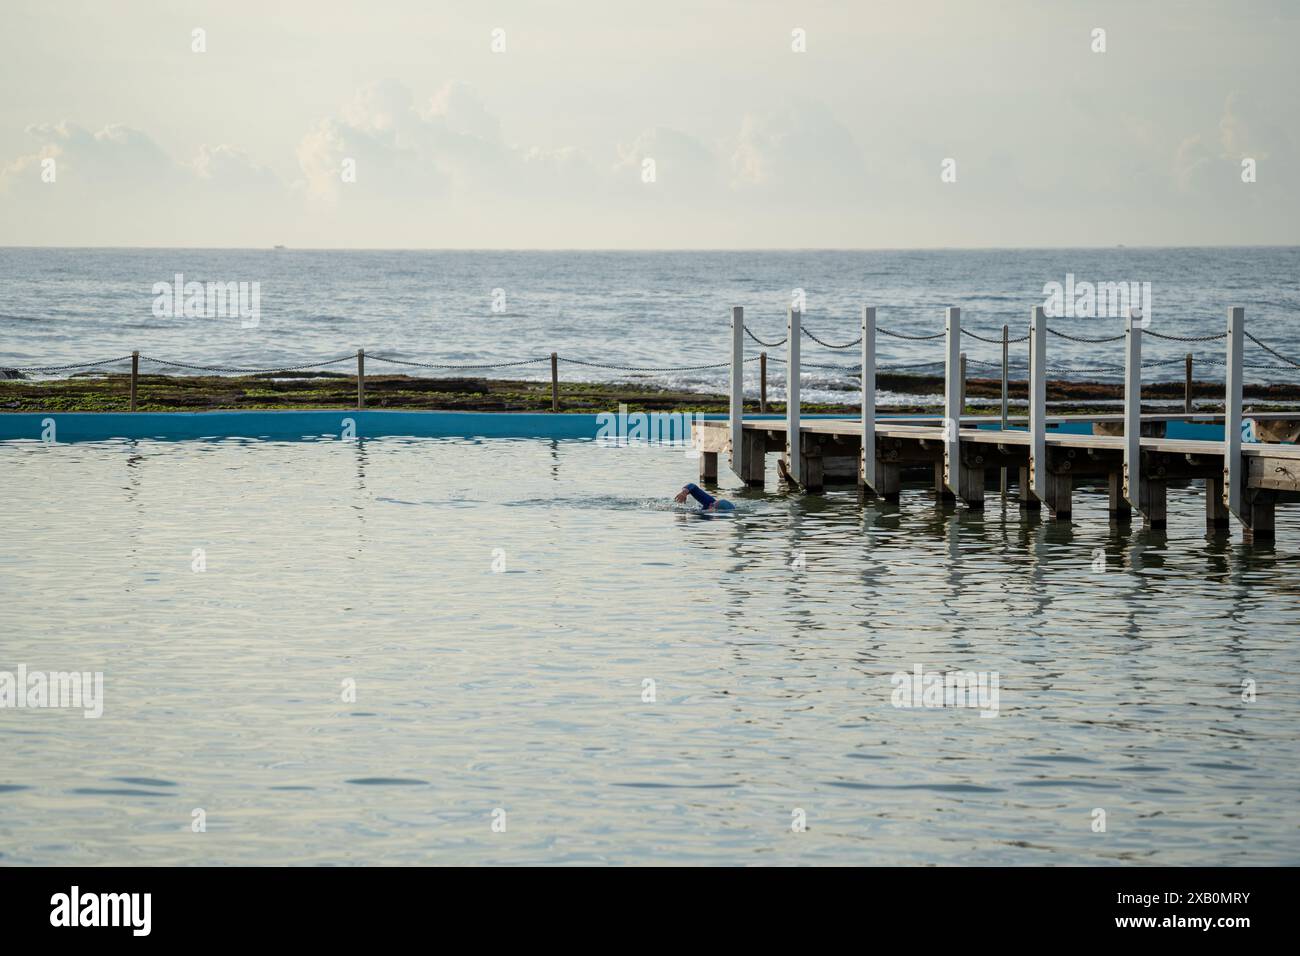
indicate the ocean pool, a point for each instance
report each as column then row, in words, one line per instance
column 403, row 651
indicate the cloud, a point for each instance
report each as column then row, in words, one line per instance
column 799, row 150
column 1210, row 161
column 116, row 157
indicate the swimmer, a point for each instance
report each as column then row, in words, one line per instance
column 706, row 500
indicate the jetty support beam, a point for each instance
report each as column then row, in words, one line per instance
column 753, row 447
column 1118, row 505
column 812, row 471
column 1258, row 515
column 708, row 466
column 1216, row 512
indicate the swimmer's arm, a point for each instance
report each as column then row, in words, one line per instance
column 705, row 499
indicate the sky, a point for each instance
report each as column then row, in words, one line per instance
column 617, row 125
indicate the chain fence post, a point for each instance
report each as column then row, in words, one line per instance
column 361, row 378
column 555, row 382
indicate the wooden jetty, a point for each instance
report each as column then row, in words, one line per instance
column 958, row 455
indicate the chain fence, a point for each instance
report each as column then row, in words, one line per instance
column 1289, row 365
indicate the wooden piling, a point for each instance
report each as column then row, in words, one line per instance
column 753, row 456
column 1187, row 383
column 812, row 472
column 762, row 382
column 1258, row 519
column 1216, row 513
column 135, row 376
column 1117, row 505
column 708, row 466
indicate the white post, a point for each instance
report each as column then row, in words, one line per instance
column 1233, row 479
column 869, row 396
column 1038, row 403
column 952, row 395
column 1133, row 410
column 793, row 452
column 737, row 412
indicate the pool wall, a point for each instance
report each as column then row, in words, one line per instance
column 285, row 425
column 334, row 423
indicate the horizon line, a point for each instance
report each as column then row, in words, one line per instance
column 642, row 249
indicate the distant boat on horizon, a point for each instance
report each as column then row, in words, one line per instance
column 278, row 247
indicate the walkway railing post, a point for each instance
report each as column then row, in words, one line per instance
column 135, row 375
column 1006, row 340
column 1233, row 479
column 793, row 451
column 555, row 381
column 361, row 378
column 737, row 412
column 952, row 398
column 1133, row 411
column 1038, row 403
column 762, row 382
column 1187, row 384
column 867, row 465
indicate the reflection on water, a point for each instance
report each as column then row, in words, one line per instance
column 631, row 684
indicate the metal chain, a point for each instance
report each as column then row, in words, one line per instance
column 1084, row 338
column 438, row 365
column 914, row 338
column 1289, row 365
column 1271, row 351
column 1262, row 368
column 248, row 371
column 1185, row 338
column 1010, row 341
column 770, row 345
column 846, row 345
column 64, row 368
column 655, row 368
column 833, row 368
column 1111, row 368
column 894, row 368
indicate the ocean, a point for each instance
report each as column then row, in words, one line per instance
column 635, row 309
